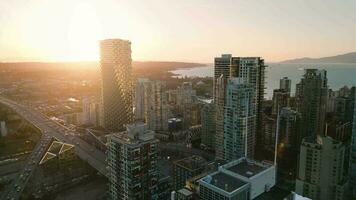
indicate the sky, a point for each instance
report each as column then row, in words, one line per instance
column 176, row 30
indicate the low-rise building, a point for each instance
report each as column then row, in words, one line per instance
column 242, row 179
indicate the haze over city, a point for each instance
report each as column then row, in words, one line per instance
column 177, row 100
column 65, row 30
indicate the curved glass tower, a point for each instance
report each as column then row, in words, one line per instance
column 117, row 86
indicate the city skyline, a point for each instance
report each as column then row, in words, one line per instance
column 79, row 119
column 70, row 31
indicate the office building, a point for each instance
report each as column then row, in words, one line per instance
column 242, row 179
column 132, row 163
column 285, row 84
column 239, row 120
column 208, row 125
column 321, row 170
column 312, row 97
column 116, row 83
column 187, row 168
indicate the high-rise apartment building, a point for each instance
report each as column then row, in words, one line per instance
column 132, row 163
column 91, row 111
column 280, row 100
column 288, row 143
column 116, row 85
column 221, row 75
column 208, row 125
column 239, row 120
column 285, row 84
column 139, row 109
column 290, row 125
column 312, row 97
column 321, row 171
column 252, row 70
column 185, row 102
column 156, row 106
column 151, row 104
column 353, row 142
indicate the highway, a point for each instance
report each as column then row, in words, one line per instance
column 50, row 129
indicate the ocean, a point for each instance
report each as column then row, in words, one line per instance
column 339, row 75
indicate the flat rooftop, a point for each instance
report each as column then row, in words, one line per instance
column 192, row 163
column 246, row 169
column 225, row 182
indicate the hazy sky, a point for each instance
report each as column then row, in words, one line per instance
column 180, row 30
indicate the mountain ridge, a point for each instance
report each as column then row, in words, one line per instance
column 342, row 58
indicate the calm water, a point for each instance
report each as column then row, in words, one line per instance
column 338, row 74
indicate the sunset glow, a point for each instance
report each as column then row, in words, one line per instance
column 175, row 30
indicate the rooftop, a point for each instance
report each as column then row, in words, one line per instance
column 192, row 163
column 246, row 168
column 135, row 133
column 55, row 150
column 225, row 182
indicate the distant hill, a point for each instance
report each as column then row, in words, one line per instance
column 136, row 65
column 344, row 58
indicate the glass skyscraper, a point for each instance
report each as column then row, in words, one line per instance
column 117, row 86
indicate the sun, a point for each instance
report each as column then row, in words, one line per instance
column 84, row 33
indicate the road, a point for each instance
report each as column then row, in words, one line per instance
column 50, row 129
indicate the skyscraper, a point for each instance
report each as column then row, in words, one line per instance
column 321, row 171
column 156, row 107
column 219, row 101
column 312, row 97
column 208, row 125
column 116, row 88
column 353, row 142
column 221, row 74
column 185, row 102
column 252, row 70
column 285, row 84
column 140, row 99
column 132, row 162
column 239, row 120
column 289, row 128
column 280, row 100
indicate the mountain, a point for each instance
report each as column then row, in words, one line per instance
column 344, row 58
